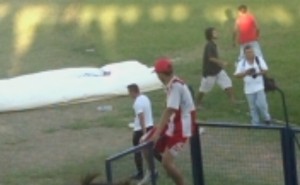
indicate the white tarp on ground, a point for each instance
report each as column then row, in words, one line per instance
column 72, row 85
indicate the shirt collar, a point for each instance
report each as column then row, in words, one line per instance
column 171, row 81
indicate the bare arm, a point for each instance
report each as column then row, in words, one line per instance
column 162, row 123
column 243, row 74
column 141, row 118
column 165, row 118
column 262, row 72
column 257, row 28
column 235, row 36
column 218, row 61
column 258, row 32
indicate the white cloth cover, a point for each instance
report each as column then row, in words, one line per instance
column 73, row 85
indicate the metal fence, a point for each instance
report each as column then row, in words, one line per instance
column 244, row 154
column 115, row 159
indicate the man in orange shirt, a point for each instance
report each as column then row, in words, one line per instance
column 246, row 32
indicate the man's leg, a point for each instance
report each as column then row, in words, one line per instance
column 241, row 54
column 199, row 99
column 262, row 105
column 230, row 94
column 138, row 155
column 171, row 169
column 256, row 48
column 206, row 85
column 156, row 153
column 225, row 83
column 251, row 98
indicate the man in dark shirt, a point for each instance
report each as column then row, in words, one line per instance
column 213, row 69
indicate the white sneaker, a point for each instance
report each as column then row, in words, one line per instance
column 201, row 130
column 145, row 179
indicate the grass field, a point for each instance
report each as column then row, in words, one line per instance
column 58, row 145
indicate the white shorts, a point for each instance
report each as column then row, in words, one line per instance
column 222, row 79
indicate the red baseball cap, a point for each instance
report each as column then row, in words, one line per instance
column 163, row 65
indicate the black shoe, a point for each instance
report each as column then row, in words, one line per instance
column 156, row 174
column 268, row 122
column 137, row 176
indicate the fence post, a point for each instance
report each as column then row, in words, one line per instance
column 289, row 157
column 108, row 171
column 196, row 156
column 152, row 163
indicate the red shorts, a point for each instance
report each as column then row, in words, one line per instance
column 173, row 143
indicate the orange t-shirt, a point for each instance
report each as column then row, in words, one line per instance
column 247, row 28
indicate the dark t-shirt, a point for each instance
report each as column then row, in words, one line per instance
column 210, row 68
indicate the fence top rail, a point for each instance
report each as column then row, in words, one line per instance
column 296, row 129
column 130, row 150
column 236, row 125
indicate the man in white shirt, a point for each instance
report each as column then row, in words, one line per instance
column 143, row 122
column 251, row 70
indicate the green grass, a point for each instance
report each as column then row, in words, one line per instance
column 57, row 44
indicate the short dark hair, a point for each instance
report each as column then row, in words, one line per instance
column 209, row 33
column 243, row 8
column 168, row 73
column 133, row 87
column 247, row 47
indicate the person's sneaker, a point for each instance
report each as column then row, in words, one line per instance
column 137, row 176
column 147, row 178
column 268, row 122
column 201, row 130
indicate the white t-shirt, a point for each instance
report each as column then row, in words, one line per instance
column 179, row 98
column 142, row 104
column 252, row 85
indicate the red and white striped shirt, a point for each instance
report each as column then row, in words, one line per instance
column 179, row 98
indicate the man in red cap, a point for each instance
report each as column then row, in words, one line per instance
column 177, row 120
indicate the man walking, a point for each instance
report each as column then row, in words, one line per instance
column 143, row 122
column 213, row 69
column 177, row 120
column 246, row 32
column 251, row 70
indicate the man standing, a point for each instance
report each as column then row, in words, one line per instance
column 213, row 69
column 246, row 32
column 177, row 121
column 251, row 70
column 143, row 122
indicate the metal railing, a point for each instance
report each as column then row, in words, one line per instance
column 287, row 144
column 148, row 146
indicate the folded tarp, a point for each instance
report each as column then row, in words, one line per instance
column 73, row 85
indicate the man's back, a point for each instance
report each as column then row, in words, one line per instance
column 142, row 104
column 247, row 28
column 210, row 68
column 180, row 98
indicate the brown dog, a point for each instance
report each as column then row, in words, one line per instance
column 88, row 180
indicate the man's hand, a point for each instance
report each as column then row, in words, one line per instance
column 250, row 71
column 155, row 136
column 224, row 64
